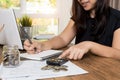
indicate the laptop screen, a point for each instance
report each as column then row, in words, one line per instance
column 10, row 34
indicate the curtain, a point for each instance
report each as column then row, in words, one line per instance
column 115, row 4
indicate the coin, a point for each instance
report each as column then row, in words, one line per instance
column 47, row 67
column 63, row 69
column 55, row 68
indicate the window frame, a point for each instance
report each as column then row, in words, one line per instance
column 22, row 10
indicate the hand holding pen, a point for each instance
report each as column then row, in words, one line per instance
column 35, row 47
column 28, row 45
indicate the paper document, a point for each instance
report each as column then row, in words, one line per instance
column 41, row 55
column 32, row 70
column 1, row 64
column 44, row 36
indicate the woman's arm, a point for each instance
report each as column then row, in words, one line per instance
column 64, row 38
column 77, row 51
column 113, row 51
column 57, row 42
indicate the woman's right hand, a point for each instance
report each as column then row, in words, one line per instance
column 35, row 47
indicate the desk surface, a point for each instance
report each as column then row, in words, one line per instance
column 99, row 68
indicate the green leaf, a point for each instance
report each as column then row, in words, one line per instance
column 25, row 21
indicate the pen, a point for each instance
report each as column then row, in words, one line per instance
column 27, row 36
column 31, row 43
column 50, row 56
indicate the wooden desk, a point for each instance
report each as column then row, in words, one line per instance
column 99, row 68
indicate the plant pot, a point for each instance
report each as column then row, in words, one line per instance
column 28, row 31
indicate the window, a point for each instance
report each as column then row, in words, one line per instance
column 41, row 6
column 42, row 12
column 45, row 26
column 10, row 3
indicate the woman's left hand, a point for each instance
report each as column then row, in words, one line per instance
column 77, row 51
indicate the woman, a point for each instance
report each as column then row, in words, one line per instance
column 96, row 28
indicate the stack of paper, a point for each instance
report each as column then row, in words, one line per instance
column 41, row 55
column 32, row 70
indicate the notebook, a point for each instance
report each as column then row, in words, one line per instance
column 42, row 55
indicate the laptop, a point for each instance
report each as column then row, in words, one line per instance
column 10, row 34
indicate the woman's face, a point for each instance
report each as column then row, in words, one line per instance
column 87, row 4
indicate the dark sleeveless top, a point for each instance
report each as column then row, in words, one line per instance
column 107, row 37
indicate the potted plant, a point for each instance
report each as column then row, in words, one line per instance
column 25, row 22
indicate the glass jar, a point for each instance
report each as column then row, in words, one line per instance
column 11, row 56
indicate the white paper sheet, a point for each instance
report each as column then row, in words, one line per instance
column 38, row 56
column 32, row 70
column 1, row 65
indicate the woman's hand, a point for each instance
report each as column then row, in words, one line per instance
column 77, row 51
column 32, row 48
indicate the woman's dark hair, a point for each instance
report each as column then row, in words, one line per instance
column 79, row 15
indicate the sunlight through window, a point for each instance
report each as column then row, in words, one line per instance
column 41, row 6
column 42, row 12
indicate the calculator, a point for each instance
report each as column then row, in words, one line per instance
column 56, row 61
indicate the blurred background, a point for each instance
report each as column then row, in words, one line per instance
column 49, row 17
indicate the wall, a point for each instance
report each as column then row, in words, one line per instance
column 115, row 4
column 64, row 8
